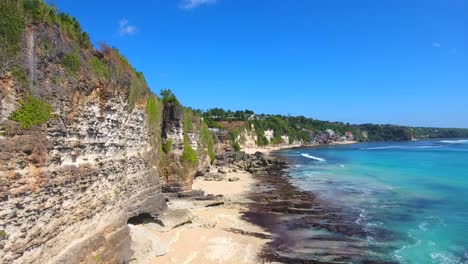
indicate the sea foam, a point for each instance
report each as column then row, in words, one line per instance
column 312, row 157
column 461, row 141
column 386, row 147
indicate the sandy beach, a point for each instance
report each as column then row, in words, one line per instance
column 217, row 231
column 217, row 234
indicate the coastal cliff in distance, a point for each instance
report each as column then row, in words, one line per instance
column 85, row 146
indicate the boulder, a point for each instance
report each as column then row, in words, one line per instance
column 175, row 218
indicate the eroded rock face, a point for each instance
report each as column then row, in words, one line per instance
column 172, row 128
column 177, row 174
column 68, row 189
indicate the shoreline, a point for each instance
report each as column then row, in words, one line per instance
column 268, row 150
column 258, row 216
column 307, row 229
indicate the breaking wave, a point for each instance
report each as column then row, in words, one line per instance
column 461, row 141
column 312, row 157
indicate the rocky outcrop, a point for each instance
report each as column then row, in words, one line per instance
column 172, row 126
column 177, row 174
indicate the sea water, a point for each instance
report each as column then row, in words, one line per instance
column 416, row 191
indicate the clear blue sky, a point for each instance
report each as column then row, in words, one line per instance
column 381, row 61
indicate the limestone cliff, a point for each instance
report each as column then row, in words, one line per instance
column 75, row 172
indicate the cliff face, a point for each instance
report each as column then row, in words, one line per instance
column 70, row 184
column 68, row 189
column 248, row 138
column 181, row 133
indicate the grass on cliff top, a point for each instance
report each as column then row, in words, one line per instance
column 138, row 89
column 33, row 111
column 11, row 33
column 40, row 12
column 168, row 97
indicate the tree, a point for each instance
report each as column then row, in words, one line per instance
column 168, row 97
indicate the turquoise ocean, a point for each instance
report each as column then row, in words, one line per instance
column 410, row 197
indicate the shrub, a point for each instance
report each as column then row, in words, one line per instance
column 71, row 62
column 208, row 141
column 3, row 234
column 188, row 122
column 167, row 146
column 262, row 141
column 84, row 40
column 33, row 111
column 277, row 140
column 46, row 48
column 72, row 28
column 19, row 74
column 118, row 65
column 189, row 155
column 99, row 68
column 138, row 89
column 236, row 146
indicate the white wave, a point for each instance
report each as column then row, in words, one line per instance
column 461, row 141
column 401, row 147
column 312, row 157
column 424, row 147
column 386, row 147
column 341, row 165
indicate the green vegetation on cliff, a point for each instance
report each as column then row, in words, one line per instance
column 154, row 109
column 99, row 68
column 189, row 155
column 138, row 89
column 169, row 97
column 33, row 111
column 3, row 234
column 167, row 146
column 208, row 141
column 188, row 120
column 12, row 26
column 71, row 63
column 20, row 76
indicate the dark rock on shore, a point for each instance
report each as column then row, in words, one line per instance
column 298, row 220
